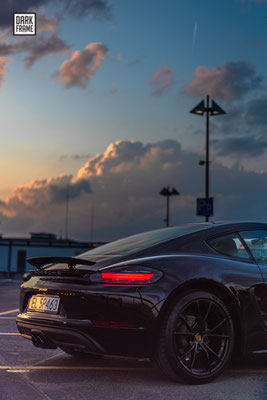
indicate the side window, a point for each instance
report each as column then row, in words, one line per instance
column 230, row 245
column 257, row 243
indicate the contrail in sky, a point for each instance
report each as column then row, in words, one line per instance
column 194, row 37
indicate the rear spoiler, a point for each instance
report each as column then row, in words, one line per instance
column 39, row 262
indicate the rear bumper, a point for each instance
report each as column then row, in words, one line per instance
column 82, row 335
column 96, row 318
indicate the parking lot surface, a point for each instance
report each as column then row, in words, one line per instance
column 29, row 373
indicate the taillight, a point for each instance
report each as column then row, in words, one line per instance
column 130, row 276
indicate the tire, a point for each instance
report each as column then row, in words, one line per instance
column 81, row 354
column 196, row 339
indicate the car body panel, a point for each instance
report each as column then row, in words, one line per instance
column 125, row 320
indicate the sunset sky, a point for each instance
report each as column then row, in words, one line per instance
column 99, row 100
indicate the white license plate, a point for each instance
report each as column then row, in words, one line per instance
column 48, row 304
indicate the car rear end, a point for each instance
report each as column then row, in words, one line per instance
column 101, row 311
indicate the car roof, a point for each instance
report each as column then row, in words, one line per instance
column 237, row 224
column 217, row 227
column 151, row 239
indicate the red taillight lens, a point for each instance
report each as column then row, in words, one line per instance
column 131, row 276
column 126, row 276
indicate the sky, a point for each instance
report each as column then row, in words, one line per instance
column 96, row 107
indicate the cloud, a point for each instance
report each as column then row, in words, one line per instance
column 36, row 48
column 43, row 47
column 75, row 8
column 113, row 90
column 81, row 8
column 46, row 24
column 76, row 157
column 246, row 146
column 122, row 184
column 39, row 194
column 119, row 57
column 242, row 118
column 14, row 6
column 230, row 81
column 162, row 80
column 256, row 113
column 3, row 69
column 82, row 66
column 232, row 123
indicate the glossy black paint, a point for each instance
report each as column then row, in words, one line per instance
column 125, row 320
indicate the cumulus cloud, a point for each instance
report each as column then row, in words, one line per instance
column 162, row 80
column 82, row 66
column 39, row 194
column 123, row 185
column 230, row 81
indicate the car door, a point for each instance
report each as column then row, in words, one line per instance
column 256, row 241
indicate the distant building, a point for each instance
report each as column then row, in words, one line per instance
column 15, row 251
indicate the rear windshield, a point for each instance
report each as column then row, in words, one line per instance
column 140, row 241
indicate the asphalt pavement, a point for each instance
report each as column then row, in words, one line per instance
column 29, row 373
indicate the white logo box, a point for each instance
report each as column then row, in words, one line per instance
column 24, row 24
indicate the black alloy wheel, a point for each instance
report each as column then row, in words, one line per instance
column 196, row 339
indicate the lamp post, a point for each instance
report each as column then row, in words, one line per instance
column 200, row 109
column 166, row 192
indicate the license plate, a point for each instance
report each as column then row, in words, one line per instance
column 48, row 304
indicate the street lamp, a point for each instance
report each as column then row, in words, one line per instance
column 200, row 109
column 166, row 192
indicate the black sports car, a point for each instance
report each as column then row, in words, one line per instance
column 188, row 297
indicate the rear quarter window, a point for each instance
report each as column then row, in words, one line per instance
column 229, row 245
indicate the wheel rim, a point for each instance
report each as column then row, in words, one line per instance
column 202, row 337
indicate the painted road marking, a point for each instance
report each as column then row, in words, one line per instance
column 9, row 312
column 9, row 333
column 74, row 368
column 9, row 368
column 49, row 358
column 20, row 369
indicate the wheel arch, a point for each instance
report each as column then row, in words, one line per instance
column 229, row 298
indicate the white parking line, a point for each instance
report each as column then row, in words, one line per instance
column 49, row 358
column 74, row 368
column 10, row 311
column 19, row 368
column 10, row 333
